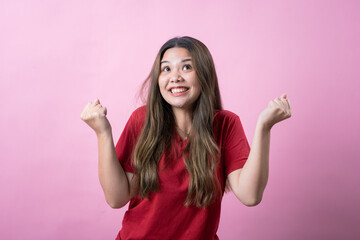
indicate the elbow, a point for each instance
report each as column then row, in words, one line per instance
column 115, row 204
column 252, row 202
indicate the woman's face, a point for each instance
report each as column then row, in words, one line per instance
column 178, row 82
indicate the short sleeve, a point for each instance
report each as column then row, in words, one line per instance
column 236, row 147
column 128, row 138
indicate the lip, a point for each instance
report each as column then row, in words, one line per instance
column 178, row 87
column 179, row 93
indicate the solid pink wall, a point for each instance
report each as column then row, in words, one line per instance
column 56, row 56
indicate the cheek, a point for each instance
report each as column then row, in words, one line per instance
column 162, row 87
column 198, row 94
column 197, row 86
column 161, row 83
column 198, row 90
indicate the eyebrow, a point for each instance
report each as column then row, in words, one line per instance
column 184, row 60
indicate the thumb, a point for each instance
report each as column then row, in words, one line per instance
column 283, row 95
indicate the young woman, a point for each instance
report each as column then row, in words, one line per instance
column 179, row 152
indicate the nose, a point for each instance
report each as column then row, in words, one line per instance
column 176, row 77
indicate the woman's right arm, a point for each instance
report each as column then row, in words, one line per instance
column 113, row 179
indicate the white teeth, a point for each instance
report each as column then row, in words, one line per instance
column 178, row 90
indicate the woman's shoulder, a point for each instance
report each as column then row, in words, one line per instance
column 140, row 111
column 138, row 116
column 224, row 115
column 226, row 123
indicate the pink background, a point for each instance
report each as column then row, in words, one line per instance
column 55, row 56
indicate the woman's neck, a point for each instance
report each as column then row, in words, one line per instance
column 183, row 119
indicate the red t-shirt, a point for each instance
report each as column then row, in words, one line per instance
column 164, row 215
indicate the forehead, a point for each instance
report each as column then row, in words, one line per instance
column 176, row 53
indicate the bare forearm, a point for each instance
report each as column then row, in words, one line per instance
column 249, row 182
column 255, row 173
column 112, row 177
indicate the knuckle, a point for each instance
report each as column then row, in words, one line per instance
column 94, row 114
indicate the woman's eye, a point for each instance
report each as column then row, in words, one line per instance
column 166, row 69
column 186, row 67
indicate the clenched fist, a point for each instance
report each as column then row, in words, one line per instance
column 278, row 110
column 94, row 114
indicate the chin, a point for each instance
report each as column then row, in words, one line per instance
column 180, row 106
column 177, row 105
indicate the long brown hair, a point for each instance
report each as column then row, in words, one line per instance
column 201, row 154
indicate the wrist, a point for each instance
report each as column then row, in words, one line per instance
column 263, row 126
column 104, row 134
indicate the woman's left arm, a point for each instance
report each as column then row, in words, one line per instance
column 249, row 182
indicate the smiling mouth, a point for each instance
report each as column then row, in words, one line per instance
column 179, row 90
